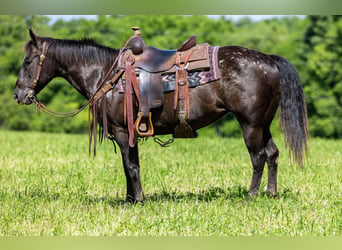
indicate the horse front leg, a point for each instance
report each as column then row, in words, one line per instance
column 130, row 159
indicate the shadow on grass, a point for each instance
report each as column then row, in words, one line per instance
column 35, row 195
column 236, row 193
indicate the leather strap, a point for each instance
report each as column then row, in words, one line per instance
column 39, row 66
column 131, row 83
column 182, row 99
column 181, row 95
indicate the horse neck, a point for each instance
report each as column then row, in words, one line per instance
column 83, row 65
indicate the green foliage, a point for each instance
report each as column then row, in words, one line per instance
column 312, row 44
column 49, row 186
column 322, row 50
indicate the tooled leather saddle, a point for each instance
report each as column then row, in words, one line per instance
column 145, row 66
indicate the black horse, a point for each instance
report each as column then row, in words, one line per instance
column 252, row 85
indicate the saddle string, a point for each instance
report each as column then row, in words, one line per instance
column 131, row 84
column 128, row 113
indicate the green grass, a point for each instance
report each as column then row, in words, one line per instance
column 49, row 186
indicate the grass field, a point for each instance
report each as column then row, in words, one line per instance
column 49, row 186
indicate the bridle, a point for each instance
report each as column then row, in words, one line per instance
column 39, row 66
column 42, row 56
column 31, row 93
column 103, row 87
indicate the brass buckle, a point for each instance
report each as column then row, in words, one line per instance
column 42, row 58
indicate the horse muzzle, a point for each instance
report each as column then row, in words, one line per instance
column 29, row 98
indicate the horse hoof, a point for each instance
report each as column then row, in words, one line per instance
column 272, row 194
column 132, row 200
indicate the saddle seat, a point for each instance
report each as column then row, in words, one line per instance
column 155, row 60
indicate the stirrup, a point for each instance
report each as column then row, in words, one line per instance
column 142, row 128
column 183, row 131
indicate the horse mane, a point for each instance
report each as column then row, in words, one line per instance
column 82, row 51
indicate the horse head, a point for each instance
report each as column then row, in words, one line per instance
column 36, row 70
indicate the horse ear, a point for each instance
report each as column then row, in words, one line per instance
column 33, row 37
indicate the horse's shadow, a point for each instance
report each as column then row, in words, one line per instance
column 237, row 193
column 207, row 195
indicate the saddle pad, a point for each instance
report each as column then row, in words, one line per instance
column 196, row 77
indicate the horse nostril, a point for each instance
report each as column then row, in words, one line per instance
column 15, row 97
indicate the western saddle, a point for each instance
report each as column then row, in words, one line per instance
column 144, row 67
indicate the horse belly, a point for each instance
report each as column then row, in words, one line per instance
column 206, row 106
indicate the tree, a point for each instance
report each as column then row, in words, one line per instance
column 322, row 52
column 12, row 32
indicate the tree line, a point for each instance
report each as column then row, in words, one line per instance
column 312, row 44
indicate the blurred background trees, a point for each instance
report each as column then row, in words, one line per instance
column 312, row 44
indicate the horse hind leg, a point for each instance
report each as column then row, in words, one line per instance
column 254, row 141
column 272, row 153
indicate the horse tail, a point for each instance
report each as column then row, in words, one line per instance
column 293, row 113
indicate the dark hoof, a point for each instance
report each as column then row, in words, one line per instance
column 132, row 200
column 272, row 194
column 251, row 196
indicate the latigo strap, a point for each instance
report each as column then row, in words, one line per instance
column 182, row 99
